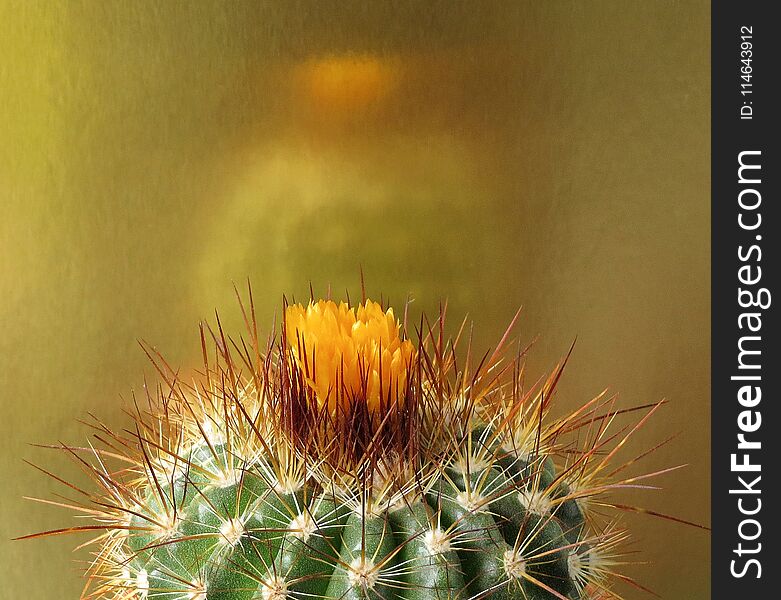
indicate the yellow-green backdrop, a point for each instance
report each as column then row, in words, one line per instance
column 549, row 154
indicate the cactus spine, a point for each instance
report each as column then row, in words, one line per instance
column 345, row 462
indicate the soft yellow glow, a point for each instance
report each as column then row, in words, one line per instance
column 351, row 352
column 348, row 82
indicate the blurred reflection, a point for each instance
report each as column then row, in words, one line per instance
column 337, row 86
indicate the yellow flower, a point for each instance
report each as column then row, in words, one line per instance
column 349, row 353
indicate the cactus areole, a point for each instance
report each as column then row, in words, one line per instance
column 341, row 459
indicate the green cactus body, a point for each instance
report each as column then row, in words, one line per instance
column 346, row 463
column 494, row 532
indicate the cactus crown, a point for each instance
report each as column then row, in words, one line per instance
column 344, row 461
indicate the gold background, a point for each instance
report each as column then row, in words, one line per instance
column 554, row 155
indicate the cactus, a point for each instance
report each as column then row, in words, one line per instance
column 344, row 461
